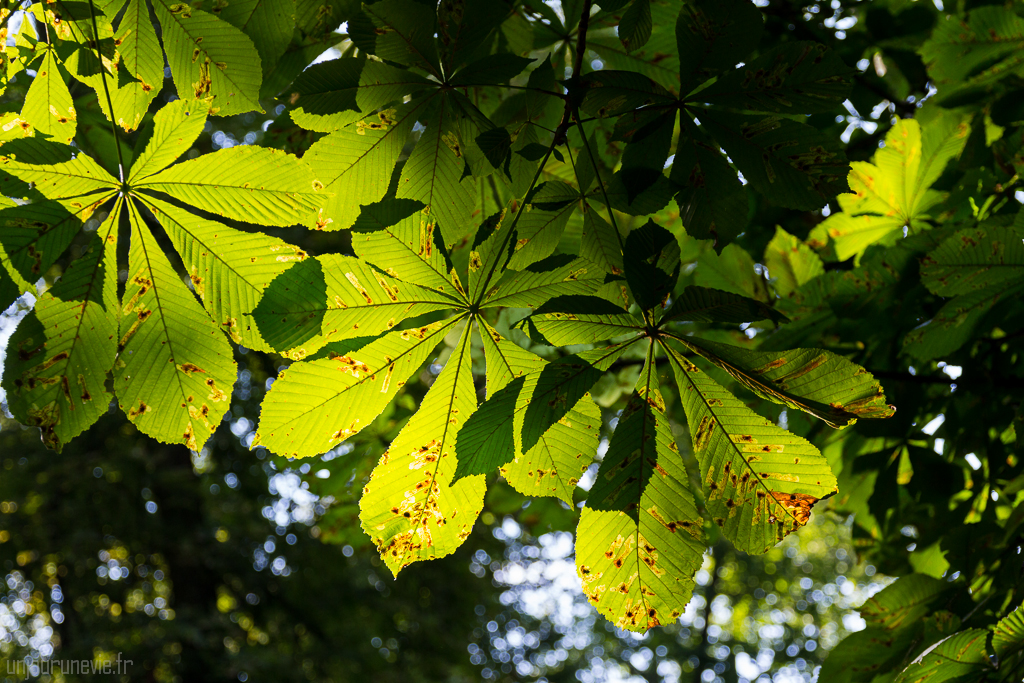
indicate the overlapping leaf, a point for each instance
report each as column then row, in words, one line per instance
column 640, row 539
column 411, row 508
column 759, row 481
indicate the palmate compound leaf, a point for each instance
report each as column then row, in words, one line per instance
column 894, row 192
column 640, row 539
column 63, row 349
column 554, row 465
column 816, row 381
column 314, row 405
column 759, row 480
column 410, row 507
column 174, row 372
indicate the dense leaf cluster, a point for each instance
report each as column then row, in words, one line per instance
column 511, row 200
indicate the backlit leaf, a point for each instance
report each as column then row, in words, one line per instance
column 410, row 507
column 759, row 481
column 174, row 372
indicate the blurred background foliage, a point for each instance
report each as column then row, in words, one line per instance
column 228, row 564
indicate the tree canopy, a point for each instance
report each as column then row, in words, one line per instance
column 641, row 265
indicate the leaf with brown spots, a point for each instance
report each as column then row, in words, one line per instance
column 164, row 334
column 640, row 539
column 411, row 508
column 818, row 382
column 745, row 461
column 65, row 347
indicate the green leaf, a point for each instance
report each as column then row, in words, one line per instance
column 210, row 57
column 400, row 31
column 35, row 235
column 904, row 602
column 61, row 353
column 491, row 250
column 985, row 48
column 463, row 26
column 567, row 320
column 399, row 237
column 649, row 136
column 640, row 539
column 560, row 275
column 269, row 23
column 315, row 405
column 816, row 381
column 975, row 259
column 962, row 654
column 954, row 323
column 712, row 202
column 556, row 462
column 791, row 263
column 434, row 173
column 1008, row 635
column 795, row 78
column 529, row 405
column 613, row 93
column 635, row 25
column 48, row 105
column 600, row 242
column 543, row 220
column 339, row 92
column 706, row 305
column 487, row 440
column 713, row 35
column 252, row 184
column 229, row 268
column 732, row 271
column 979, row 267
column 142, row 56
column 174, row 371
column 892, row 193
column 790, row 163
column 410, row 507
column 78, row 177
column 759, row 481
column 560, row 386
column 355, row 162
column 175, row 127
column 657, row 59
column 490, row 70
column 337, row 297
column 651, row 260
